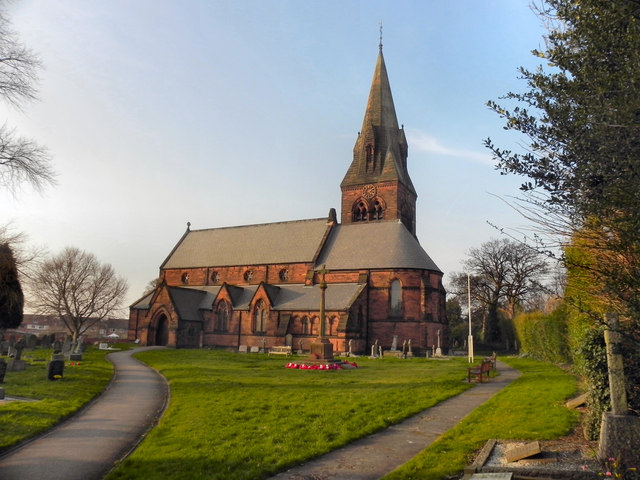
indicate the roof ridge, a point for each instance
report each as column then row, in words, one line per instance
column 261, row 224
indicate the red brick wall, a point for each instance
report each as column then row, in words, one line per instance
column 235, row 275
column 422, row 315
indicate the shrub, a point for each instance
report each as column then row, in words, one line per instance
column 544, row 336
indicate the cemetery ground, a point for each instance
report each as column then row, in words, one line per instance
column 245, row 416
column 56, row 400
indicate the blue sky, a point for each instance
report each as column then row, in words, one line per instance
column 221, row 113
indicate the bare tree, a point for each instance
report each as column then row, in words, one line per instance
column 21, row 159
column 79, row 289
column 505, row 276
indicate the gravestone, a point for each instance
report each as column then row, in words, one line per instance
column 55, row 368
column 288, row 340
column 16, row 364
column 300, row 351
column 77, row 350
column 4, row 348
column 45, row 342
column 31, row 341
column 409, row 351
column 393, row 352
column 438, row 350
column 57, row 347
column 375, row 349
column 254, row 349
column 66, row 347
column 523, row 451
column 3, row 369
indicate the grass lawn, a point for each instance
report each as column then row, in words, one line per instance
column 238, row 416
column 235, row 416
column 531, row 408
column 57, row 399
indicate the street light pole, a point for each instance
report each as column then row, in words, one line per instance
column 470, row 339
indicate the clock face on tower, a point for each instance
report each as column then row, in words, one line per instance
column 368, row 191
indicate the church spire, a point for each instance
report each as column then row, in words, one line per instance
column 378, row 172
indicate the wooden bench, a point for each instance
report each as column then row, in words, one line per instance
column 479, row 371
column 492, row 360
column 280, row 351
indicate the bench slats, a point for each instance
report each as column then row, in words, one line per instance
column 479, row 372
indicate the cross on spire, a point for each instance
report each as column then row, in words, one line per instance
column 380, row 44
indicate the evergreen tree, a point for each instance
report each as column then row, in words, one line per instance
column 581, row 115
column 11, row 297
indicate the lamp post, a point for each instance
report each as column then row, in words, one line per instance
column 470, row 339
column 322, row 349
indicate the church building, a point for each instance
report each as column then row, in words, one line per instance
column 259, row 285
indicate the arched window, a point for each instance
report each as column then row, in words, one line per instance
column 377, row 210
column 395, row 298
column 260, row 314
column 360, row 211
column 223, row 316
column 305, row 325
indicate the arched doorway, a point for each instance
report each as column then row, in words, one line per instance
column 162, row 331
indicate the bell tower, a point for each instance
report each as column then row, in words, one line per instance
column 377, row 184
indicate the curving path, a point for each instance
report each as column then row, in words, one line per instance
column 379, row 454
column 86, row 446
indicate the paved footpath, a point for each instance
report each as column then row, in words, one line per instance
column 86, row 446
column 379, row 454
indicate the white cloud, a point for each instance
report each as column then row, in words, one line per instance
column 423, row 142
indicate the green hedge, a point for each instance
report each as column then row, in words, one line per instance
column 544, row 336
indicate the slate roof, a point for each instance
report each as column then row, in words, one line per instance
column 374, row 245
column 380, row 129
column 357, row 246
column 269, row 243
column 188, row 301
column 143, row 303
column 338, row 296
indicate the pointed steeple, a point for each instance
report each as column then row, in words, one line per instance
column 379, row 157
